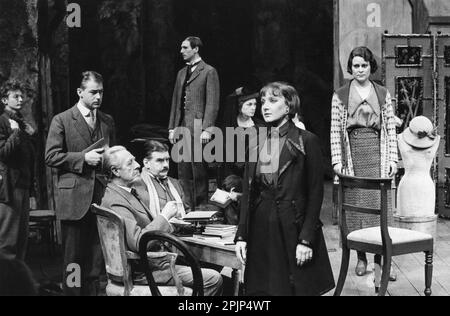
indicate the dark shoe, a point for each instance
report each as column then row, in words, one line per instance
column 361, row 268
column 393, row 276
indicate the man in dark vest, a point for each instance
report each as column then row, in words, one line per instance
column 16, row 172
column 74, row 148
column 195, row 99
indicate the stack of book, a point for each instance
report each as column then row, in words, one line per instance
column 220, row 230
column 223, row 234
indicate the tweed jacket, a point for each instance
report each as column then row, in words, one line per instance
column 67, row 141
column 16, row 159
column 202, row 98
column 137, row 220
column 340, row 144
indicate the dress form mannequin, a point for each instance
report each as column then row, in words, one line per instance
column 416, row 191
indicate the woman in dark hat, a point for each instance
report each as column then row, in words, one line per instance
column 241, row 114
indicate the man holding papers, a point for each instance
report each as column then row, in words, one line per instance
column 75, row 144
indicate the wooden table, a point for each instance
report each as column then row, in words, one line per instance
column 215, row 253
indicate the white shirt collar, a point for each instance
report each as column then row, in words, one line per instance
column 84, row 110
column 197, row 60
column 125, row 188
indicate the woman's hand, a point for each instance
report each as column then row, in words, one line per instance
column 392, row 168
column 303, row 254
column 337, row 168
column 241, row 251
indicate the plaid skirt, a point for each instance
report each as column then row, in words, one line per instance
column 366, row 157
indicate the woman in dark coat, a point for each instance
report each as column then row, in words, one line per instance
column 240, row 113
column 280, row 235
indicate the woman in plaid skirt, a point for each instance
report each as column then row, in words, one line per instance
column 363, row 138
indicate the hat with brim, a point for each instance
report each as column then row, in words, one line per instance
column 244, row 94
column 420, row 133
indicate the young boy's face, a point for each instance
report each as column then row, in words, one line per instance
column 14, row 100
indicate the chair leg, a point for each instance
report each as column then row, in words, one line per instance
column 387, row 261
column 428, row 272
column 343, row 272
column 377, row 276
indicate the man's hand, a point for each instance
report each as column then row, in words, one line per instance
column 94, row 157
column 14, row 124
column 303, row 254
column 172, row 137
column 392, row 169
column 205, row 137
column 337, row 168
column 170, row 210
column 241, row 251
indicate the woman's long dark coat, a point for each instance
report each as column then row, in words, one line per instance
column 297, row 201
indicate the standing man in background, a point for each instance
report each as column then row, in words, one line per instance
column 71, row 149
column 16, row 172
column 195, row 97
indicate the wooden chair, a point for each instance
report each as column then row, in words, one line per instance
column 119, row 261
column 382, row 240
column 44, row 222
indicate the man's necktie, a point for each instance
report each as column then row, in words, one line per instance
column 135, row 194
column 91, row 119
column 165, row 185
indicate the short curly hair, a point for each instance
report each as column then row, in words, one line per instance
column 365, row 54
column 9, row 86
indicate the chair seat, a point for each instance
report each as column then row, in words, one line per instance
column 372, row 235
column 113, row 289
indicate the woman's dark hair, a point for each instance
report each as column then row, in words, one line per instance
column 15, row 278
column 288, row 92
column 232, row 181
column 365, row 54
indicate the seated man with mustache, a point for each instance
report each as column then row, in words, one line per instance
column 122, row 198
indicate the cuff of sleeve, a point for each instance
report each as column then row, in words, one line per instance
column 164, row 216
column 305, row 243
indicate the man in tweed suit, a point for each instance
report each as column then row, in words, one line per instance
column 195, row 101
column 16, row 171
column 69, row 149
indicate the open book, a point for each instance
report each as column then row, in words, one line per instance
column 221, row 198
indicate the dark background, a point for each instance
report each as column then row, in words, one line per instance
column 135, row 45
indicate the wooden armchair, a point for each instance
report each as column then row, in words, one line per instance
column 382, row 240
column 119, row 261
